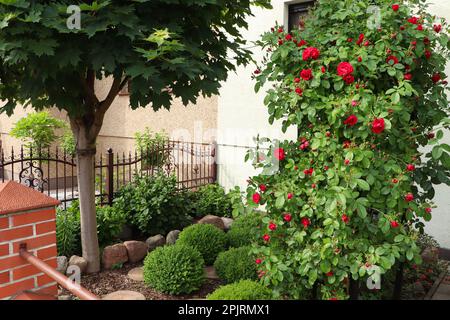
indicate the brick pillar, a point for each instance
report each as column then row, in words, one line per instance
column 26, row 217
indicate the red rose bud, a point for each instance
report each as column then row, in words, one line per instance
column 297, row 80
column 426, row 41
column 287, row 217
column 323, row 69
column 394, row 224
column 436, row 77
column 256, row 198
column 289, row 196
column 402, row 28
column 266, row 237
column 407, row 76
column 258, row 261
column 350, row 40
column 299, row 91
column 262, row 187
column 428, row 54
column 326, row 168
column 351, row 120
column 410, row 167
column 359, row 59
column 280, row 30
column 347, row 162
column 409, row 197
column 367, row 43
column 419, row 27
column 428, row 210
column 345, row 218
column 431, row 135
column 329, row 274
column 395, row 7
column 392, row 60
column 349, row 79
column 394, row 180
column 378, row 125
column 360, row 39
column 280, row 154
column 272, row 226
column 306, row 74
column 313, row 186
column 288, row 37
column 437, row 28
column 305, row 222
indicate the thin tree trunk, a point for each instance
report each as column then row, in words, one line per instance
column 86, row 189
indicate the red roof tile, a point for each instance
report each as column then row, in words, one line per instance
column 15, row 197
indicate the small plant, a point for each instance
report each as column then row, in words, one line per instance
column 37, row 130
column 174, row 269
column 152, row 204
column 236, row 264
column 68, row 143
column 68, row 230
column 152, row 147
column 244, row 230
column 242, row 290
column 109, row 224
column 117, row 266
column 207, row 239
column 212, row 199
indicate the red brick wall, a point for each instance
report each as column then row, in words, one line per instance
column 36, row 228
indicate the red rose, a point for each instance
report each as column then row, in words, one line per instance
column 311, row 53
column 359, row 59
column 344, row 69
column 419, row 27
column 287, row 217
column 272, row 226
column 409, row 197
column 394, row 224
column 349, row 79
column 437, row 28
column 262, row 187
column 407, row 76
column 258, row 261
column 323, row 69
column 378, row 125
column 305, row 222
column 280, row 30
column 428, row 54
column 280, row 154
column 306, row 74
column 426, row 41
column 347, row 162
column 360, row 39
column 351, row 120
column 367, row 43
column 301, row 43
column 256, row 198
column 280, row 42
column 410, row 167
column 394, row 59
column 413, row 20
column 299, row 91
column 257, row 71
column 394, row 180
column 428, row 210
column 266, row 238
column 436, row 77
column 297, row 80
column 345, row 218
column 346, row 144
column 402, row 28
column 329, row 274
column 289, row 196
column 288, row 37
column 395, row 7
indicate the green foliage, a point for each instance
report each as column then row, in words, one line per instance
column 68, row 143
column 244, row 230
column 242, row 290
column 109, row 224
column 68, row 230
column 211, row 199
column 236, row 264
column 152, row 147
column 357, row 183
column 426, row 241
column 37, row 130
column 207, row 239
column 152, row 204
column 174, row 269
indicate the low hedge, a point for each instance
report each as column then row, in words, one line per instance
column 236, row 264
column 242, row 290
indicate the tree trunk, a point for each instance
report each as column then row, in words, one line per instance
column 86, row 149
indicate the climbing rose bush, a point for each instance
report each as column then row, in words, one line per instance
column 367, row 102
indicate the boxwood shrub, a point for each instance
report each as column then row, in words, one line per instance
column 176, row 269
column 236, row 264
column 244, row 230
column 242, row 290
column 207, row 239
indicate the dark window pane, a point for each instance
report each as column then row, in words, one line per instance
column 296, row 14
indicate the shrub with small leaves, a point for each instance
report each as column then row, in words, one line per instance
column 244, row 230
column 207, row 239
column 212, row 199
column 236, row 264
column 176, row 269
column 242, row 290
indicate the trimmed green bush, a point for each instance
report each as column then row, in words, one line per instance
column 211, row 199
column 242, row 290
column 236, row 264
column 176, row 269
column 206, row 238
column 244, row 230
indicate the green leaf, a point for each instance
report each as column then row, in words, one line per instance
column 363, row 184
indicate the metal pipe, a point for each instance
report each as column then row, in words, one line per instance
column 70, row 285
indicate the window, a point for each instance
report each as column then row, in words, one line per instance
column 297, row 12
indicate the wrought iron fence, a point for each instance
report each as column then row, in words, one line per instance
column 54, row 172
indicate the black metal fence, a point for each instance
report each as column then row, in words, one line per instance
column 54, row 172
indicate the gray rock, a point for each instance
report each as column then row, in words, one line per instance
column 124, row 295
column 227, row 222
column 137, row 250
column 136, row 274
column 61, row 264
column 79, row 262
column 214, row 220
column 114, row 255
column 172, row 236
column 155, row 241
